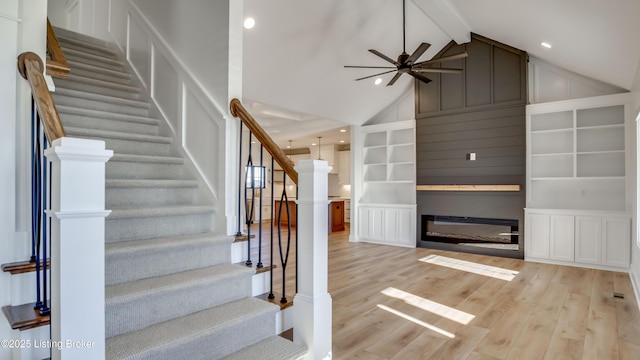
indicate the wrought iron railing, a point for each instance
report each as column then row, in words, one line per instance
column 282, row 236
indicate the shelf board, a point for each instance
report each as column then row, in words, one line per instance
column 552, row 154
column 468, row 187
column 549, row 131
column 600, row 152
column 597, row 127
column 578, row 178
column 402, row 144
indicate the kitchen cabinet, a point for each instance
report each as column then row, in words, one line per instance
column 281, row 218
column 336, row 215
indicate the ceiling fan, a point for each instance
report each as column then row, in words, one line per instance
column 406, row 64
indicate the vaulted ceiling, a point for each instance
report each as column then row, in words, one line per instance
column 293, row 58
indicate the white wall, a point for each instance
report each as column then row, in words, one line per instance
column 635, row 243
column 401, row 109
column 23, row 28
column 194, row 29
column 8, row 53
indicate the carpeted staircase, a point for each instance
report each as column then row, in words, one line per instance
column 171, row 292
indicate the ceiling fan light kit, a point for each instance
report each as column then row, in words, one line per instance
column 406, row 64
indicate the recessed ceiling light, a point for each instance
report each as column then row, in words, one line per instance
column 249, row 23
column 546, row 44
column 341, row 141
column 288, row 146
column 378, row 81
column 313, row 144
column 343, row 130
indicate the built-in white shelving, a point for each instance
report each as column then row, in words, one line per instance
column 387, row 199
column 578, row 182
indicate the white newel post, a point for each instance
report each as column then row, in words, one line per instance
column 312, row 304
column 77, row 248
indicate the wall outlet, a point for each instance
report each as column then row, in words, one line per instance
column 471, row 156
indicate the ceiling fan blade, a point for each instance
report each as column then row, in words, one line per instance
column 419, row 51
column 370, row 67
column 376, row 52
column 437, row 70
column 394, row 79
column 442, row 59
column 420, row 77
column 370, row 76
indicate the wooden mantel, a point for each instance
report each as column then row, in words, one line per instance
column 468, row 187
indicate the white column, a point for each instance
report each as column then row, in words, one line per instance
column 77, row 248
column 312, row 303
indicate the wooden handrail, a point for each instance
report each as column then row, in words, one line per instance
column 31, row 68
column 279, row 156
column 57, row 64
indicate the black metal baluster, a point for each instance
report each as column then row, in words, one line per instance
column 273, row 213
column 33, row 180
column 46, row 200
column 36, row 198
column 249, row 210
column 284, row 258
column 239, row 232
column 260, row 265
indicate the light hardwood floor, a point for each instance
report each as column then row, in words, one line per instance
column 401, row 303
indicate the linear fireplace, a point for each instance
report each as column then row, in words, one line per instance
column 474, row 232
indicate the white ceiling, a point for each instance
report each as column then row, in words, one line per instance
column 294, row 56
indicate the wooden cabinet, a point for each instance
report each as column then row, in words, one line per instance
column 280, row 217
column 585, row 238
column 336, row 216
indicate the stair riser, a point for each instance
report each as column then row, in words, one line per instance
column 152, row 227
column 100, row 105
column 97, row 89
column 218, row 343
column 138, row 265
column 135, row 147
column 140, row 312
column 133, row 197
column 143, row 170
column 82, row 121
column 123, row 79
column 106, row 53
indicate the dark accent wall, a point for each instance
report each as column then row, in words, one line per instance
column 482, row 111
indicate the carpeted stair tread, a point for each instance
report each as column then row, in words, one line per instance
column 80, row 56
column 91, row 70
column 89, row 47
column 103, row 120
column 141, row 212
column 147, row 159
column 141, row 259
column 64, row 33
column 104, row 134
column 62, row 109
column 112, row 100
column 140, row 288
column 150, row 245
column 272, row 348
column 144, row 183
column 134, row 305
column 98, row 83
column 189, row 337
